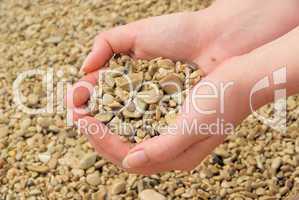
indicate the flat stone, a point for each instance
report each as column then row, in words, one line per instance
column 25, row 123
column 44, row 122
column 44, row 157
column 3, row 131
column 118, row 186
column 93, row 179
column 104, row 117
column 38, row 168
column 54, row 40
column 171, row 83
column 87, row 161
column 151, row 195
column 152, row 96
column 275, row 165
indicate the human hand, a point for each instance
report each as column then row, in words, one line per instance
column 208, row 43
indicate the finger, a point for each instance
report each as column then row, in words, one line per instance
column 116, row 40
column 81, row 91
column 186, row 161
column 165, row 147
column 193, row 156
column 103, row 140
column 241, row 37
column 75, row 114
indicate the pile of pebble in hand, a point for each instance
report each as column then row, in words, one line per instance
column 137, row 99
column 42, row 158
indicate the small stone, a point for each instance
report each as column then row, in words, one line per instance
column 171, row 84
column 44, row 122
column 122, row 94
column 32, row 99
column 179, row 191
column 151, row 195
column 38, row 168
column 54, row 40
column 109, row 80
column 107, row 99
column 166, row 63
column 44, row 157
column 104, row 117
column 221, row 152
column 129, row 114
column 99, row 195
column 150, row 96
column 3, row 131
column 129, row 82
column 170, row 118
column 78, row 172
column 25, row 124
column 100, row 164
column 118, row 186
column 93, row 179
column 276, row 164
column 2, row 163
column 87, row 161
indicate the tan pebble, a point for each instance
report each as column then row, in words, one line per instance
column 99, row 195
column 3, row 131
column 52, row 163
column 77, row 172
column 54, row 39
column 93, row 179
column 131, row 81
column 109, row 80
column 107, row 99
column 87, row 161
column 131, row 107
column 100, row 164
column 32, row 99
column 166, row 63
column 118, row 186
column 122, row 94
column 25, row 123
column 150, row 96
column 292, row 104
column 2, row 163
column 170, row 118
column 172, row 103
column 115, row 105
column 44, row 157
column 140, row 104
column 151, row 195
column 38, row 168
column 104, row 117
column 44, row 122
column 171, row 84
column 276, row 164
column 222, row 152
column 179, row 191
column 129, row 114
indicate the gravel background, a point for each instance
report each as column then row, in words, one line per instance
column 43, row 159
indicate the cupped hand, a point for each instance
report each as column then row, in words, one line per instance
column 212, row 38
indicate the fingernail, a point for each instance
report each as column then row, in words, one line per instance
column 135, row 159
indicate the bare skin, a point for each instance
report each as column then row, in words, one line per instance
column 229, row 41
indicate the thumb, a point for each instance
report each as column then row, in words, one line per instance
column 117, row 40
